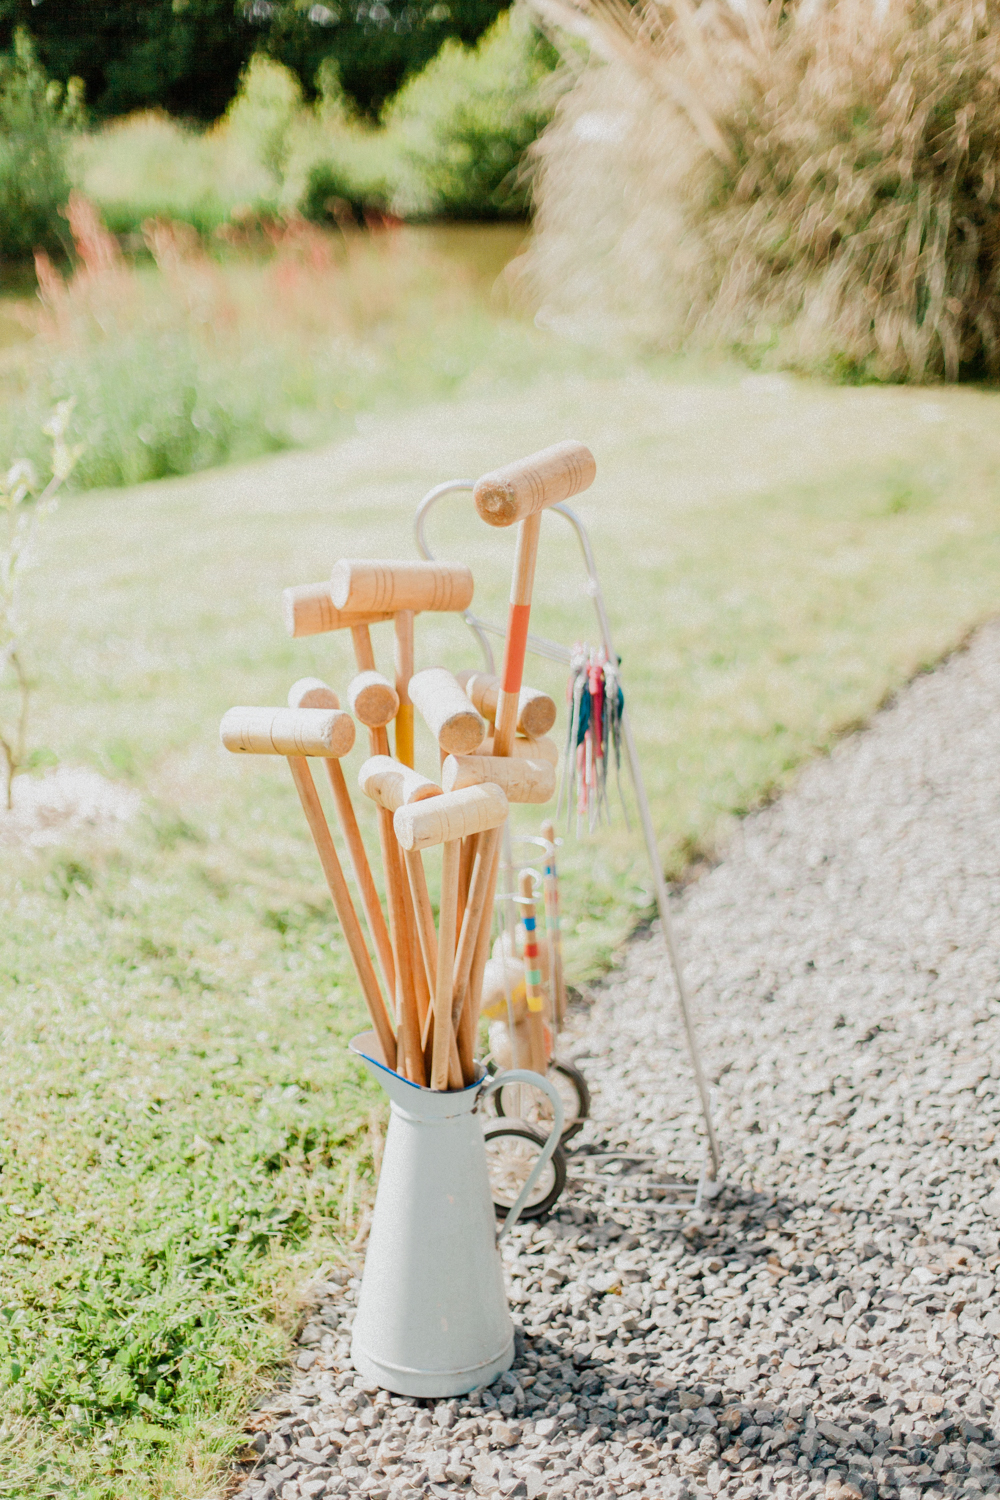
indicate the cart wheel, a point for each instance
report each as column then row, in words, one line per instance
column 521, row 1101
column 512, row 1148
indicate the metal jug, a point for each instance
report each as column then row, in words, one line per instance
column 432, row 1316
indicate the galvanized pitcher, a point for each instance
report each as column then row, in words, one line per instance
column 432, row 1317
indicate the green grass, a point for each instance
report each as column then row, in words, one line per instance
column 179, row 1124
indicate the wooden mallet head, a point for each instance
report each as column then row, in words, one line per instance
column 521, row 780
column 363, row 584
column 391, row 784
column 447, row 711
column 530, row 484
column 308, row 609
column 373, row 699
column 312, row 692
column 288, row 731
column 454, row 815
column 544, row 748
column 536, row 710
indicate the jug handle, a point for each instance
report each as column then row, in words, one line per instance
column 525, row 1075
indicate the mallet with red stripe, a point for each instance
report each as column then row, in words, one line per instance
column 400, row 589
column 519, row 492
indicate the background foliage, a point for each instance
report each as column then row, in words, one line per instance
column 466, row 122
column 36, row 117
column 187, row 58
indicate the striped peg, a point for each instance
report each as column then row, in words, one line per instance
column 532, row 976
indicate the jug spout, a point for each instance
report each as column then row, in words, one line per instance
column 432, row 1317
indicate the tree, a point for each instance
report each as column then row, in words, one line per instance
column 186, row 56
column 376, row 44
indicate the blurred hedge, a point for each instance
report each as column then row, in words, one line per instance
column 466, row 122
column 453, row 145
column 35, row 120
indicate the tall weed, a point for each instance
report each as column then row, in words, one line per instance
column 808, row 182
column 195, row 360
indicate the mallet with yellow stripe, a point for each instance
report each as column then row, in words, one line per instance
column 532, row 976
column 297, row 733
column 401, row 589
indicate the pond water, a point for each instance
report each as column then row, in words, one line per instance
column 483, row 249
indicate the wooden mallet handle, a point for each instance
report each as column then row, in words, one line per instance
column 390, row 785
column 411, row 1058
column 312, row 692
column 403, row 625
column 337, row 885
column 287, row 731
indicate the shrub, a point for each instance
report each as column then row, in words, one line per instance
column 35, row 117
column 258, row 160
column 333, row 196
column 150, row 166
column 809, row 183
column 467, row 120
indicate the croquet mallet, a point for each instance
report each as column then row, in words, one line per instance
column 312, row 692
column 519, row 492
column 447, row 820
column 400, row 589
column 298, row 733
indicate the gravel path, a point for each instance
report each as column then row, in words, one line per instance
column 829, row 1324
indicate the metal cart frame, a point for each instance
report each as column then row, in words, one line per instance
column 554, row 651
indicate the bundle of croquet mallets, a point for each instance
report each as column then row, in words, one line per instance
column 424, row 1001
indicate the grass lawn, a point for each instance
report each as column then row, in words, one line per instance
column 182, row 1138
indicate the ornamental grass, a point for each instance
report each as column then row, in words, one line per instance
column 810, row 184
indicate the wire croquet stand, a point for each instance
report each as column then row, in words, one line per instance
column 555, row 651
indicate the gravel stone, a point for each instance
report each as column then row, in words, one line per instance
column 827, row 1325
